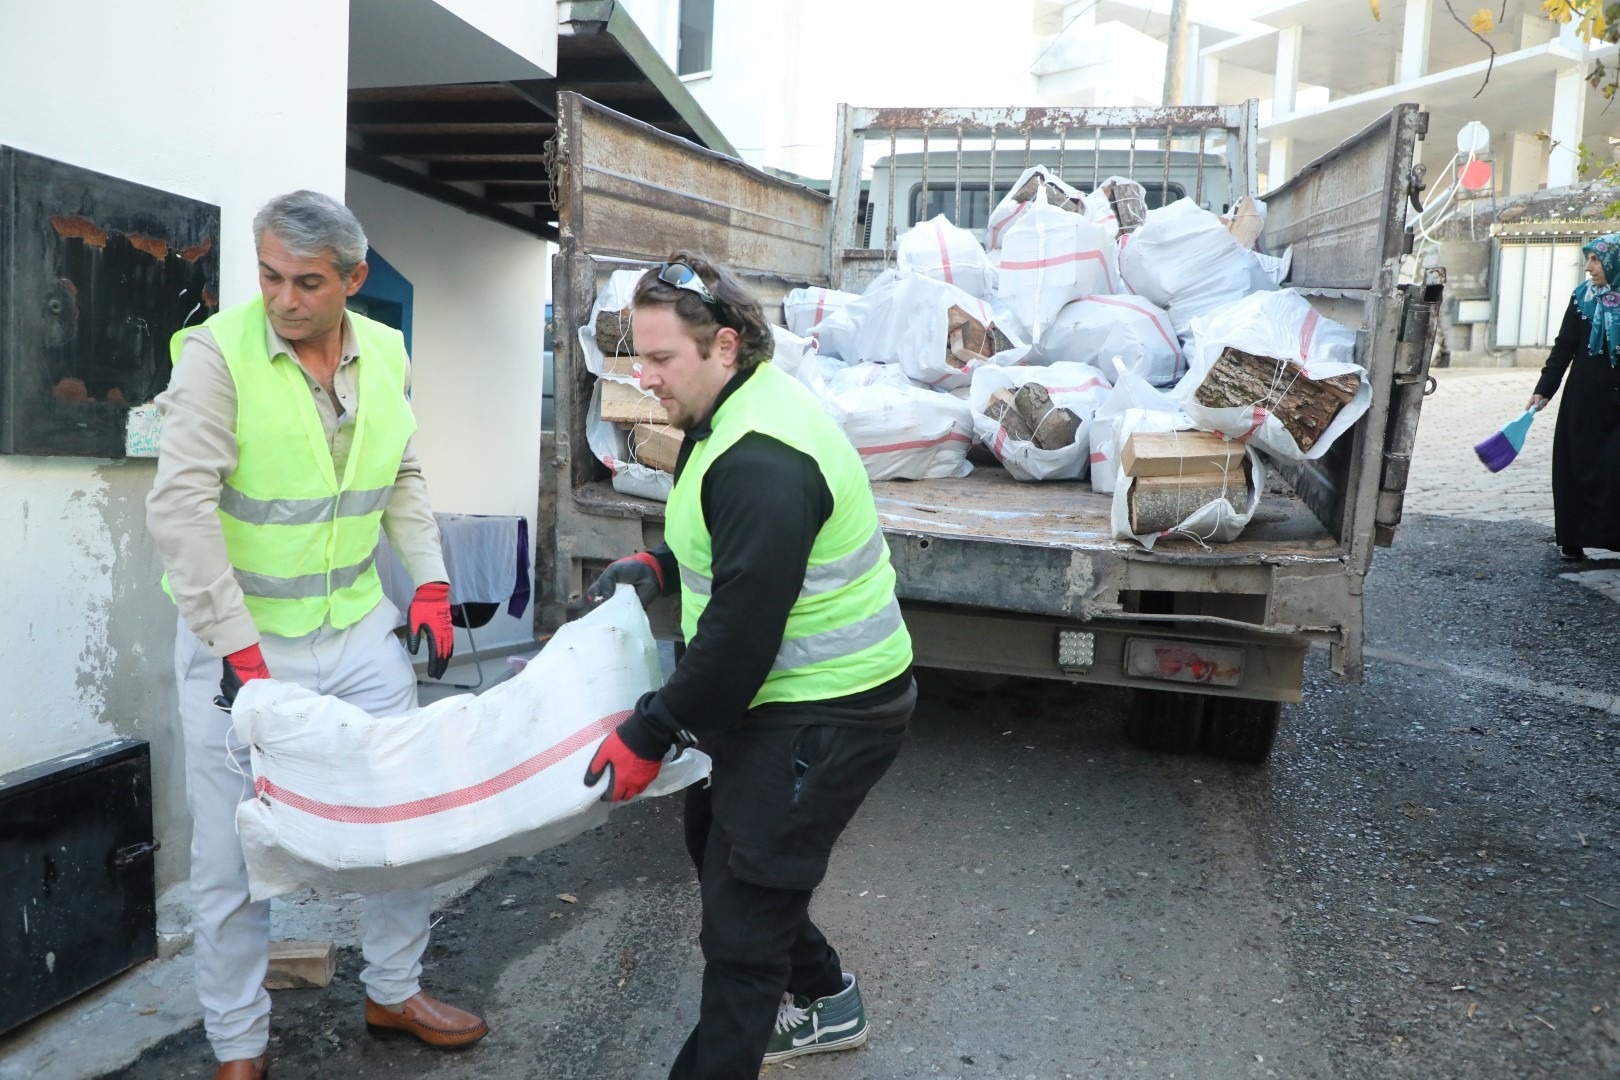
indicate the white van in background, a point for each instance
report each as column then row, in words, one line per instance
column 966, row 200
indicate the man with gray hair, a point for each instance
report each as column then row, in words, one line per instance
column 286, row 443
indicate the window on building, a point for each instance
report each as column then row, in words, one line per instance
column 1533, row 281
column 976, row 205
column 695, row 53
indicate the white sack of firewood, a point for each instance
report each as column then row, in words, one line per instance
column 611, row 446
column 1205, row 520
column 937, row 333
column 1050, row 258
column 935, row 248
column 804, row 309
column 1101, row 329
column 607, row 332
column 1152, row 409
column 1184, row 259
column 902, row 430
column 1036, row 420
column 1273, row 371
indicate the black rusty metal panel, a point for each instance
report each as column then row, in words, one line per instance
column 96, row 273
column 632, row 191
column 1344, row 214
column 77, row 898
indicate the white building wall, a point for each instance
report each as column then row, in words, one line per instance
column 782, row 69
column 477, row 352
column 158, row 94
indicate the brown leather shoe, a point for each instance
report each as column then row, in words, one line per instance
column 244, row 1068
column 435, row 1023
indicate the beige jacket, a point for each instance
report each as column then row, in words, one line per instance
column 197, row 451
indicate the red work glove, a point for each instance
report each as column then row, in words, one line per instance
column 429, row 618
column 240, row 667
column 641, row 572
column 631, row 772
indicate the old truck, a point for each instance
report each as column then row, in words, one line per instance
column 998, row 577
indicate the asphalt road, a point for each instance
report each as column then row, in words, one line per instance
column 1423, row 882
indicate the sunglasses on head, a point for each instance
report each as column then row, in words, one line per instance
column 684, row 277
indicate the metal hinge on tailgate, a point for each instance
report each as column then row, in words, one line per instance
column 1419, row 321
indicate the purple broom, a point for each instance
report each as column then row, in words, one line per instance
column 1498, row 451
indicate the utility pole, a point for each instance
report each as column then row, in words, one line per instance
column 1175, row 52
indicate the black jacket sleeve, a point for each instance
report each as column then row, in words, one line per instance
column 764, row 503
column 1570, row 343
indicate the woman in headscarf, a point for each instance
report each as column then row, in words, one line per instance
column 1586, row 443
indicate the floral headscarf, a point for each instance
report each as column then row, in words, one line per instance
column 1600, row 304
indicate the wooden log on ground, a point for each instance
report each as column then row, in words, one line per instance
column 1304, row 406
column 625, row 404
column 613, row 335
column 1157, row 503
column 297, row 965
column 658, row 445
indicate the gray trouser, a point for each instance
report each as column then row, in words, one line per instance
column 364, row 665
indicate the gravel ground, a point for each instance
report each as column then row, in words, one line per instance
column 1423, row 882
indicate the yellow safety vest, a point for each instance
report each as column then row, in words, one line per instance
column 844, row 633
column 302, row 542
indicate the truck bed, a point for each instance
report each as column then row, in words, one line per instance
column 990, row 505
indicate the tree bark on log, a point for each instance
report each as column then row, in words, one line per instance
column 1304, row 406
column 613, row 333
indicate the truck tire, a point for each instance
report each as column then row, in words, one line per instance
column 1240, row 729
column 1164, row 721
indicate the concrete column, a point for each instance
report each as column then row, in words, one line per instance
column 1278, row 166
column 1415, row 40
column 1285, row 84
column 1191, row 89
column 1568, row 121
column 1209, row 81
column 1519, row 160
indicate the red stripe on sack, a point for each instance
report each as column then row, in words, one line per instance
column 821, row 305
column 450, row 800
column 1306, row 333
column 1098, row 458
column 1154, row 319
column 1057, row 260
column 1082, row 388
column 995, row 234
column 1259, row 419
column 944, row 253
column 916, row 444
column 1001, row 441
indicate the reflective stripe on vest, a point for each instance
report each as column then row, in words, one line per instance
column 302, row 540
column 817, row 579
column 830, row 645
column 302, row 511
column 844, row 633
column 305, row 587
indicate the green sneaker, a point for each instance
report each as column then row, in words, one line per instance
column 830, row 1023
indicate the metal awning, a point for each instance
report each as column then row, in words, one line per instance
column 482, row 146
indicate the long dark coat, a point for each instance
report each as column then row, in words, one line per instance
column 1586, row 443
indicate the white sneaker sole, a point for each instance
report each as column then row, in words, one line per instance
column 848, row 1043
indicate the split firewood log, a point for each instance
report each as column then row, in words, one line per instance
column 1054, row 426
column 967, row 339
column 613, row 335
column 1304, row 406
